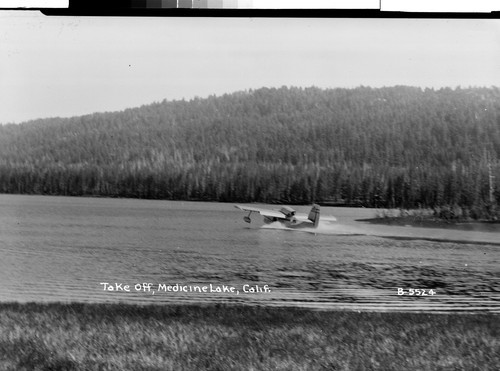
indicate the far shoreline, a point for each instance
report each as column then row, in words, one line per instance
column 414, row 218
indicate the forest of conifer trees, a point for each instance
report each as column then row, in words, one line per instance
column 400, row 147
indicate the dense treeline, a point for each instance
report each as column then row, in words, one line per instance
column 385, row 147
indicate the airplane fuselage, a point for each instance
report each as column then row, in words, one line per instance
column 286, row 216
column 290, row 222
column 298, row 224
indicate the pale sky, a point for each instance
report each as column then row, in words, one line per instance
column 67, row 66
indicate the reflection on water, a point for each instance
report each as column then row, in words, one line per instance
column 61, row 249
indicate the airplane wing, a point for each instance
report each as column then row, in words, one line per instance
column 264, row 212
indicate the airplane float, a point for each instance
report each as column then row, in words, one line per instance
column 285, row 215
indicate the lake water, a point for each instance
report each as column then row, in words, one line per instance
column 64, row 249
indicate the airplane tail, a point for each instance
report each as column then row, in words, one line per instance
column 314, row 215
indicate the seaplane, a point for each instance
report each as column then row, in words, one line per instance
column 285, row 215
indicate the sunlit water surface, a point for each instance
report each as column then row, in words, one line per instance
column 63, row 249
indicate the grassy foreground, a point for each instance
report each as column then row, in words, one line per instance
column 126, row 337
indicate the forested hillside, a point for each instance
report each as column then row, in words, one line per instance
column 385, row 147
